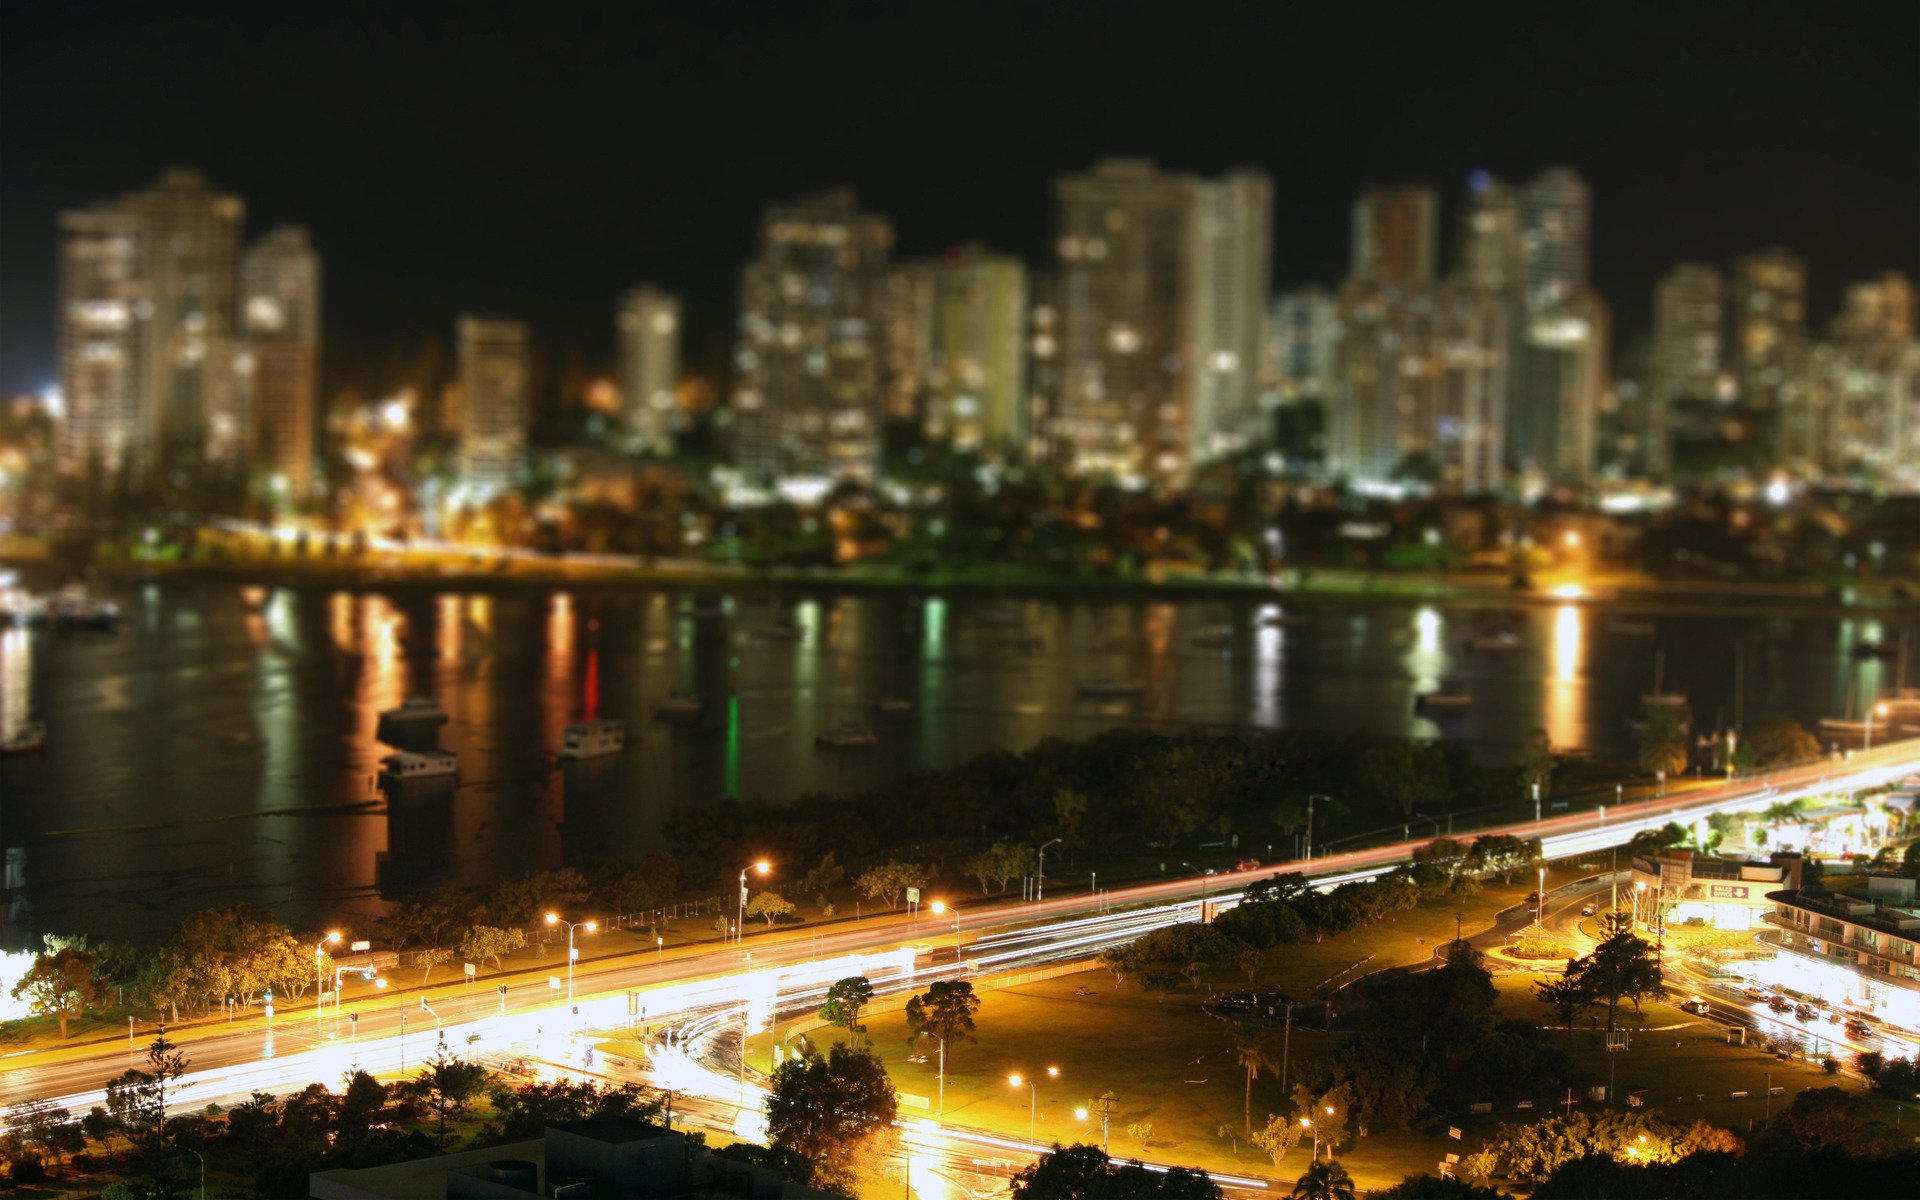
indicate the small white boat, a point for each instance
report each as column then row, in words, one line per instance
column 779, row 631
column 1445, row 700
column 418, row 764
column 850, row 735
column 1496, row 642
column 76, row 608
column 677, row 707
column 593, row 739
column 416, row 710
column 1112, row 689
column 893, row 704
column 1214, row 637
column 30, row 738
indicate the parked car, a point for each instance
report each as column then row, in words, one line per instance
column 1694, row 1005
column 1587, row 911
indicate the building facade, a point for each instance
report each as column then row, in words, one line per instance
column 808, row 362
column 976, row 397
column 1396, row 235
column 280, row 359
column 1490, row 249
column 1160, row 291
column 105, row 310
column 649, row 328
column 1680, row 887
column 1687, row 361
column 1856, row 412
column 495, row 405
column 1561, row 369
column 1854, row 949
column 1303, row 335
column 1767, row 335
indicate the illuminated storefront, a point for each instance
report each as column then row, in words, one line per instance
column 1721, row 893
column 1851, row 949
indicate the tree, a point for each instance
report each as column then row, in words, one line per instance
column 1536, row 761
column 432, row 921
column 48, row 1132
column 1663, row 741
column 482, row 942
column 1086, row 1173
column 1433, row 1187
column 61, row 985
column 836, row 1112
column 1069, row 815
column 1323, row 1181
column 1621, row 968
column 945, row 1010
column 526, row 1110
column 1502, row 854
column 845, row 999
column 1567, row 997
column 1405, row 774
column 1279, row 1135
column 1776, row 741
column 138, row 1098
column 1000, row 863
column 428, row 958
column 890, row 881
column 1651, row 841
column 447, row 1086
column 769, row 905
column 822, row 879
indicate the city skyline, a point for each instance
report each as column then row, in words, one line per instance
column 394, row 279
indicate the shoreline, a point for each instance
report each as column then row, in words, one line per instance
column 1320, row 587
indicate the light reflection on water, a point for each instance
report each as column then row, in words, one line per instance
column 223, row 745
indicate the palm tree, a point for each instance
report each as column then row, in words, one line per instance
column 1663, row 742
column 1323, row 1181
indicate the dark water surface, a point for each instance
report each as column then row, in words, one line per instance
column 222, row 745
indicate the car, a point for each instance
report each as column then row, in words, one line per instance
column 1859, row 1029
column 1779, row 1004
column 1754, row 993
column 1803, row 1011
column 1587, row 910
column 1695, row 1005
column 1533, row 898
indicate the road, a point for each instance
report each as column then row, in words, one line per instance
column 293, row 1051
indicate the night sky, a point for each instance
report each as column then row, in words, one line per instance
column 534, row 162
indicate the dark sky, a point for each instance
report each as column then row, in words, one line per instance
column 533, row 161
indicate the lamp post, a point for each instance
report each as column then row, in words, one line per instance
column 319, row 972
column 590, row 927
column 1105, row 1101
column 1040, row 872
column 740, row 925
column 941, row 907
column 1310, row 800
column 659, row 957
column 1540, row 905
column 1033, row 1098
column 1313, row 1127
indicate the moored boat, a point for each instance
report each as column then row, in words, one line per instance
column 593, row 739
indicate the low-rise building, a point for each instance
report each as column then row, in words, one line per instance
column 1844, row 946
column 1724, row 893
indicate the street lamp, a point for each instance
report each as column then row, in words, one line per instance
column 1873, row 711
column 941, row 907
column 1040, row 872
column 319, row 973
column 1313, row 1127
column 740, row 926
column 590, row 927
column 1033, row 1095
column 1310, row 800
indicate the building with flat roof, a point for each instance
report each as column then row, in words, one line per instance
column 595, row 1159
column 1851, row 948
column 1723, row 893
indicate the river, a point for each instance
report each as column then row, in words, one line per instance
column 222, row 744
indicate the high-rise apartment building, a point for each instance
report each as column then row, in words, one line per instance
column 1490, row 250
column 976, row 394
column 1557, row 208
column 1160, row 292
column 105, row 309
column 807, row 391
column 1418, row 389
column 1303, row 333
column 189, row 256
column 1688, row 311
column 1396, row 235
column 1856, row 411
column 146, row 314
column 280, row 327
column 1768, row 329
column 649, row 327
column 495, row 404
column 905, row 317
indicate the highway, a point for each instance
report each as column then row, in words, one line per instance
column 774, row 971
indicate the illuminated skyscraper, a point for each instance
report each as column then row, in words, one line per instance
column 280, row 323
column 1856, row 412
column 188, row 259
column 1769, row 320
column 1418, row 388
column 495, row 404
column 1560, row 369
column 976, row 398
column 905, row 317
column 1303, row 333
column 1395, row 235
column 1490, row 252
column 649, row 325
column 808, row 372
column 1558, row 210
column 1160, row 292
column 105, row 314
column 1688, row 308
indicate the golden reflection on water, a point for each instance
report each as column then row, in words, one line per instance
column 1566, row 691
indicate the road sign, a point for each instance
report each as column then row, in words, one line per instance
column 913, row 895
column 470, row 969
column 357, row 947
column 553, row 983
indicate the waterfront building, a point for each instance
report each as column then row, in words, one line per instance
column 1160, row 292
column 1419, row 382
column 649, row 327
column 976, row 396
column 1768, row 317
column 1557, row 208
column 1857, row 411
column 1687, row 360
column 1561, row 374
column 1395, row 235
column 495, row 404
column 905, row 322
column 280, row 359
column 807, row 367
column 1303, row 336
column 146, row 306
column 1848, row 948
column 105, row 310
